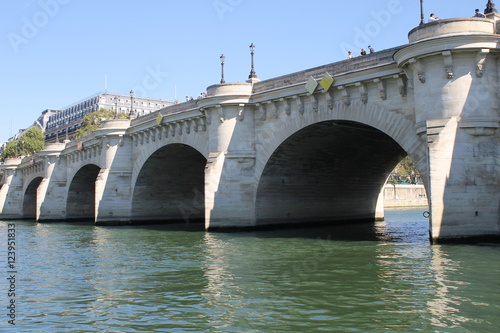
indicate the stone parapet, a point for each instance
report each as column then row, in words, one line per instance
column 172, row 109
column 339, row 68
column 455, row 27
column 11, row 162
column 115, row 123
column 229, row 89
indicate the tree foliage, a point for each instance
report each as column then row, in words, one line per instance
column 92, row 121
column 29, row 143
column 34, row 140
column 10, row 150
column 408, row 167
column 405, row 171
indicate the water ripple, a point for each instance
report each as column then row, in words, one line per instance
column 382, row 277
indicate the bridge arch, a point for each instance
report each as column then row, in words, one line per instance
column 30, row 199
column 394, row 123
column 143, row 153
column 332, row 165
column 170, row 186
column 81, row 197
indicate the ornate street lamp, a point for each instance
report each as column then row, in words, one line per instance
column 422, row 12
column 252, row 71
column 131, row 113
column 116, row 107
column 222, row 58
column 490, row 8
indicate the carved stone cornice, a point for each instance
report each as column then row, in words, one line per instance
column 262, row 111
column 480, row 59
column 300, row 103
column 273, row 108
column 287, row 106
column 329, row 100
column 314, row 102
column 241, row 112
column 362, row 92
column 381, row 88
column 479, row 126
column 346, row 98
column 448, row 64
column 418, row 67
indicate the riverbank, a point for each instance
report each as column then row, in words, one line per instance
column 404, row 195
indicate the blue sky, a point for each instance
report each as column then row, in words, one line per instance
column 57, row 52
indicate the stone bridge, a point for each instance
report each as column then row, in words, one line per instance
column 311, row 147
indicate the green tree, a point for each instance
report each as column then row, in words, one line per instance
column 408, row 167
column 92, row 121
column 405, row 169
column 29, row 143
column 10, row 150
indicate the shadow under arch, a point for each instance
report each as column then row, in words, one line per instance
column 81, row 194
column 328, row 171
column 170, row 186
column 29, row 200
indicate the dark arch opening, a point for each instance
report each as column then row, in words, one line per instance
column 328, row 171
column 81, row 194
column 29, row 201
column 171, row 186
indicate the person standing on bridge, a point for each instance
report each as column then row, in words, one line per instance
column 349, row 55
column 433, row 18
column 479, row 14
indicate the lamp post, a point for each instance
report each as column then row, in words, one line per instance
column 252, row 71
column 131, row 113
column 116, row 107
column 490, row 7
column 422, row 12
column 222, row 58
column 66, row 122
column 57, row 132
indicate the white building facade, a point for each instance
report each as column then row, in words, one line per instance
column 63, row 124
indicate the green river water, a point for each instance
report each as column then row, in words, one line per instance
column 381, row 277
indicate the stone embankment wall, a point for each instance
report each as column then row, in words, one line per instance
column 405, row 196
